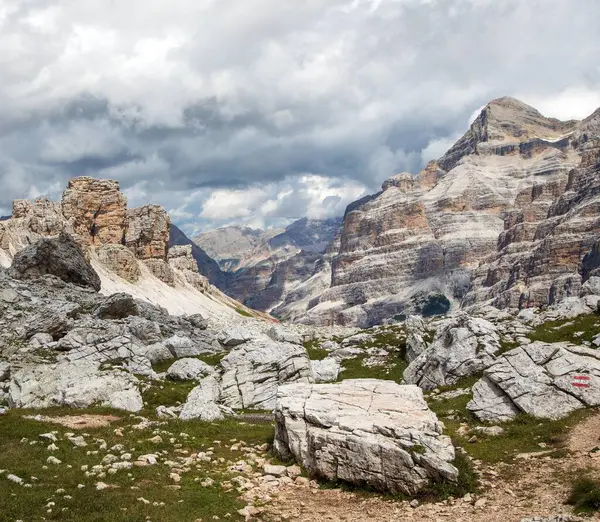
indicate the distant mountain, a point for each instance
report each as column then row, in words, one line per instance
column 261, row 266
column 236, row 247
column 508, row 216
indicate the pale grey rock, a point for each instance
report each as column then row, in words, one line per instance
column 546, row 380
column 490, row 403
column 201, row 402
column 283, row 335
column 188, row 369
column 253, row 371
column 462, row 346
column 4, row 371
column 40, row 340
column 326, row 370
column 234, row 336
column 76, row 385
column 181, row 346
column 365, row 432
column 491, row 431
column 591, row 286
column 330, row 346
column 415, row 337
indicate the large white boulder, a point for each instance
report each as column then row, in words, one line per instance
column 326, row 370
column 74, row 384
column 463, row 346
column 253, row 371
column 201, row 402
column 415, row 337
column 365, row 432
column 546, row 380
column 189, row 369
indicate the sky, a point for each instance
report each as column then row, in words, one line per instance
column 261, row 112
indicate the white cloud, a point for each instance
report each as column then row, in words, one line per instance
column 187, row 101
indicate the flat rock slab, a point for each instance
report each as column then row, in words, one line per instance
column 253, row 371
column 366, row 432
column 546, row 380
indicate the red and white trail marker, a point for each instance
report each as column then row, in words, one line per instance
column 581, row 381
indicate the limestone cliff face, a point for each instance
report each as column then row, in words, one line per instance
column 96, row 211
column 505, row 216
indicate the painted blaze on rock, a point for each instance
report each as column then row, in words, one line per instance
column 365, row 432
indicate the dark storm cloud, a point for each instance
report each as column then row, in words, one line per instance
column 264, row 111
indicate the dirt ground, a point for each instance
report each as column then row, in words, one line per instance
column 78, row 422
column 535, row 486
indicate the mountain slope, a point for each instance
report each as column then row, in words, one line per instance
column 435, row 236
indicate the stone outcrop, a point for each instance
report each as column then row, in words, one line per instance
column 462, row 346
column 120, row 260
column 541, row 379
column 253, row 371
column 505, row 217
column 365, row 432
column 96, row 211
column 77, row 385
column 60, row 257
column 147, row 232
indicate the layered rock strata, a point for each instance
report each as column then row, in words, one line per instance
column 506, row 217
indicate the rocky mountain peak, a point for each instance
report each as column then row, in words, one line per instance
column 403, row 181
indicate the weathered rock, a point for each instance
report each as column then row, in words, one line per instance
column 120, row 260
column 188, row 369
column 117, row 306
column 96, row 210
column 148, row 232
column 462, row 346
column 60, row 257
column 283, row 335
column 253, row 371
column 201, row 402
column 326, row 370
column 415, row 337
column 366, row 432
column 546, row 380
column 234, row 336
column 77, row 385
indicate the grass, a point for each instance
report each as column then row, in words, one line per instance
column 354, row 369
column 118, row 504
column 243, row 312
column 585, row 496
column 314, row 352
column 167, row 393
column 211, row 359
column 576, row 330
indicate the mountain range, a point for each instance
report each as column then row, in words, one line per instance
column 508, row 216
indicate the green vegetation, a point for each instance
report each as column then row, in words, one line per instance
column 354, row 369
column 576, row 330
column 167, row 393
column 314, row 352
column 467, row 482
column 243, row 312
column 54, row 494
column 210, row 358
column 585, row 496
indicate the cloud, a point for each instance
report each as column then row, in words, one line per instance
column 259, row 111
